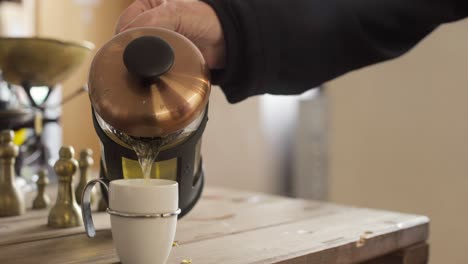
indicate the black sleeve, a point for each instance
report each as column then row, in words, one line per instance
column 290, row 46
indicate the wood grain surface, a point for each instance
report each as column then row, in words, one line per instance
column 230, row 226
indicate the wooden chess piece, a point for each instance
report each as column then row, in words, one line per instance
column 42, row 200
column 85, row 163
column 66, row 212
column 11, row 199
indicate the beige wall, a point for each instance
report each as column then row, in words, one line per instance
column 399, row 138
column 235, row 152
column 73, row 20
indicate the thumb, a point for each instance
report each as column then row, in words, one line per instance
column 159, row 16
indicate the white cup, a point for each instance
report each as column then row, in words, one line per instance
column 143, row 216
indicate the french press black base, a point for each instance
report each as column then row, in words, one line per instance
column 190, row 182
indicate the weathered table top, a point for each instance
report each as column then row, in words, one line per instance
column 231, row 227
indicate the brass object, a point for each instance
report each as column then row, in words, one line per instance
column 11, row 199
column 149, row 106
column 42, row 200
column 85, row 163
column 40, row 61
column 66, row 212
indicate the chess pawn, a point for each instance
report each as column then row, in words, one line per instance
column 66, row 212
column 11, row 199
column 85, row 163
column 42, row 200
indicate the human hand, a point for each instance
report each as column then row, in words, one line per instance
column 194, row 19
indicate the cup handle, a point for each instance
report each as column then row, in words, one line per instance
column 86, row 206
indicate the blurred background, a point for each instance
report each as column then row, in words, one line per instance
column 393, row 136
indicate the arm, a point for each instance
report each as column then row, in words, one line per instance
column 290, row 46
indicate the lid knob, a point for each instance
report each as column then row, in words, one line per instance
column 148, row 57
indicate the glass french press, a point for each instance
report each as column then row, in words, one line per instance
column 150, row 85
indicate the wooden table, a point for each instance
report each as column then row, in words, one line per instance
column 238, row 227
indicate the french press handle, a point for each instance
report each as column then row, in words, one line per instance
column 86, row 206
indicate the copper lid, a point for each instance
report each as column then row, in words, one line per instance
column 149, row 82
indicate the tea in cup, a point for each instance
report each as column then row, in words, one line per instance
column 143, row 214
